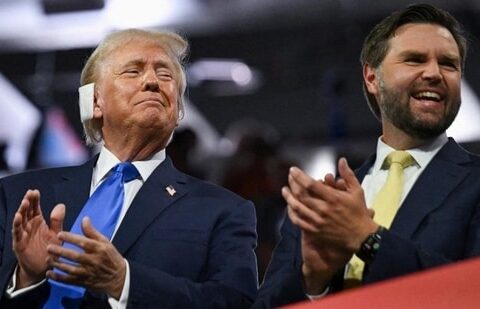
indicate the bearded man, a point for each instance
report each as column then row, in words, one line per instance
column 415, row 204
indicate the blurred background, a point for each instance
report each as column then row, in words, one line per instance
column 272, row 83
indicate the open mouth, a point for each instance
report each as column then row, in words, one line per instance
column 428, row 96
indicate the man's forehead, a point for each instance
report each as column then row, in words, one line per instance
column 414, row 34
column 140, row 50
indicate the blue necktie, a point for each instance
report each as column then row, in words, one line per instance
column 103, row 208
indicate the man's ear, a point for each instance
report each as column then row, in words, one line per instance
column 370, row 77
column 180, row 112
column 97, row 103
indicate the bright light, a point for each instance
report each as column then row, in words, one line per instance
column 215, row 69
column 24, row 25
column 241, row 74
column 320, row 162
column 147, row 13
column 466, row 127
column 315, row 161
column 243, row 78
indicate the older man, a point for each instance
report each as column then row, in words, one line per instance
column 173, row 241
column 423, row 187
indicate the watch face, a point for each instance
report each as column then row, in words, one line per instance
column 370, row 246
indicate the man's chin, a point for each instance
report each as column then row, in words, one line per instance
column 425, row 130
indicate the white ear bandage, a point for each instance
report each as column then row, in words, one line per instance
column 85, row 101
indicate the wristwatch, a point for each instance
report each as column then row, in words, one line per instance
column 370, row 246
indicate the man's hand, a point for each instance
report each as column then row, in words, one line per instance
column 320, row 263
column 99, row 267
column 31, row 235
column 337, row 215
column 334, row 221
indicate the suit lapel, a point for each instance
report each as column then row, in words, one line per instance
column 152, row 199
column 364, row 168
column 439, row 178
column 74, row 190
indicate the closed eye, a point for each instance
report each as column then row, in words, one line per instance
column 131, row 71
column 450, row 65
column 164, row 75
column 414, row 60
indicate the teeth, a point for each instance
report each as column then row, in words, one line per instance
column 428, row 95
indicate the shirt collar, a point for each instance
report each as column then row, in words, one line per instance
column 107, row 160
column 422, row 154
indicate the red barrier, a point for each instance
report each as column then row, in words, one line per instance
column 453, row 286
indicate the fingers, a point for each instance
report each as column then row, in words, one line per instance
column 23, row 208
column 299, row 182
column 90, row 232
column 24, row 213
column 59, row 254
column 17, row 228
column 30, row 206
column 35, row 203
column 88, row 243
column 299, row 214
column 72, row 255
column 57, row 276
column 66, row 272
column 341, row 185
column 371, row 212
column 303, row 186
column 347, row 174
column 329, row 180
column 56, row 218
column 74, row 247
column 310, row 191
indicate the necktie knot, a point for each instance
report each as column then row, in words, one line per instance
column 128, row 171
column 401, row 157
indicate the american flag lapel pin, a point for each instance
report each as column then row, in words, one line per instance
column 171, row 191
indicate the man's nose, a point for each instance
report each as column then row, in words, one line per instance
column 150, row 81
column 432, row 71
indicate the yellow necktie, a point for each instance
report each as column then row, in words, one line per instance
column 386, row 204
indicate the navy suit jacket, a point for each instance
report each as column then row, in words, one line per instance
column 438, row 223
column 194, row 249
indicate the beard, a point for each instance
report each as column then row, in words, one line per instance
column 398, row 111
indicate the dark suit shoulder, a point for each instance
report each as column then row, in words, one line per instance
column 39, row 177
column 452, row 151
column 208, row 189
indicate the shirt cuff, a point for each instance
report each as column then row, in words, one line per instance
column 122, row 302
column 12, row 291
column 318, row 296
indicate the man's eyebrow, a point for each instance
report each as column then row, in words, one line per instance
column 451, row 58
column 411, row 53
column 141, row 61
column 136, row 62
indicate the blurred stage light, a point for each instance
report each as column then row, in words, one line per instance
column 321, row 161
column 234, row 77
column 466, row 127
column 148, row 13
column 314, row 160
